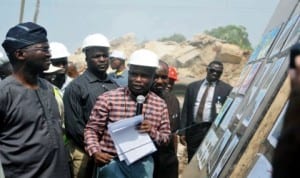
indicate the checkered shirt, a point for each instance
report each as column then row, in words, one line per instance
column 117, row 104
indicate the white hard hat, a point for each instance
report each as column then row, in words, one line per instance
column 52, row 69
column 96, row 39
column 143, row 57
column 118, row 54
column 58, row 50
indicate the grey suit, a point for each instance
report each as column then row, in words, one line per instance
column 195, row 134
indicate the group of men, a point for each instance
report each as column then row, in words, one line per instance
column 54, row 126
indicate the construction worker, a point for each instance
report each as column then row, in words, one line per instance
column 172, row 78
column 80, row 97
column 120, row 104
column 59, row 58
column 117, row 63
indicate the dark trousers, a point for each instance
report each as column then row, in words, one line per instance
column 165, row 161
column 194, row 137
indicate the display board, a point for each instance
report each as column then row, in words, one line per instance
column 261, row 80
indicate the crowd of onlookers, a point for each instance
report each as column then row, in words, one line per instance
column 55, row 125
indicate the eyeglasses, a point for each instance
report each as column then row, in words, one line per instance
column 211, row 70
column 45, row 49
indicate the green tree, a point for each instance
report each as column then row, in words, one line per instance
column 232, row 34
column 175, row 37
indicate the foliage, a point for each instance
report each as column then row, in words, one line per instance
column 175, row 37
column 232, row 34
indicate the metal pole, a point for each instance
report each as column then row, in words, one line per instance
column 37, row 9
column 22, row 11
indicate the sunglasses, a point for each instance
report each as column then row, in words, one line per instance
column 211, row 70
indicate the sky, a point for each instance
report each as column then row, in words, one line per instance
column 70, row 21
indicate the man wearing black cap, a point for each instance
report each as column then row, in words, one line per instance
column 30, row 133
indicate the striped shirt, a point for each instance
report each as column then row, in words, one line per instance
column 117, row 104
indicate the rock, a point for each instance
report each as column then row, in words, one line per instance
column 229, row 53
column 162, row 48
column 79, row 61
column 126, row 43
column 190, row 57
column 185, row 55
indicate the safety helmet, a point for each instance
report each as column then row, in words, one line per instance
column 52, row 69
column 143, row 57
column 117, row 54
column 173, row 73
column 58, row 50
column 95, row 40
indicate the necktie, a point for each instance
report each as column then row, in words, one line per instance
column 202, row 104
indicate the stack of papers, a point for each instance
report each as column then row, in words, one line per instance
column 131, row 145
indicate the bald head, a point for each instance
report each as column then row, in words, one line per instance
column 161, row 78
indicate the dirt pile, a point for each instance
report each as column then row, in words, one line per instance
column 190, row 57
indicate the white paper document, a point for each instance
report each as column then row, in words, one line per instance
column 131, row 145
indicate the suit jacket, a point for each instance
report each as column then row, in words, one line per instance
column 222, row 89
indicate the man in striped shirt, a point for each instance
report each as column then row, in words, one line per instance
column 120, row 103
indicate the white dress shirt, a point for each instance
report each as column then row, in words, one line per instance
column 208, row 103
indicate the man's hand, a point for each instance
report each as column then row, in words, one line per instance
column 102, row 158
column 145, row 127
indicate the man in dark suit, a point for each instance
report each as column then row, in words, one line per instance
column 202, row 103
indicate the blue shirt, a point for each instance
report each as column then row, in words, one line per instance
column 122, row 79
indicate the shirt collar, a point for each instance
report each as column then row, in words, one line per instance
column 128, row 93
column 205, row 82
column 67, row 82
column 122, row 74
column 93, row 78
column 119, row 73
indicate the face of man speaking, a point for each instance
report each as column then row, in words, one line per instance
column 140, row 79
